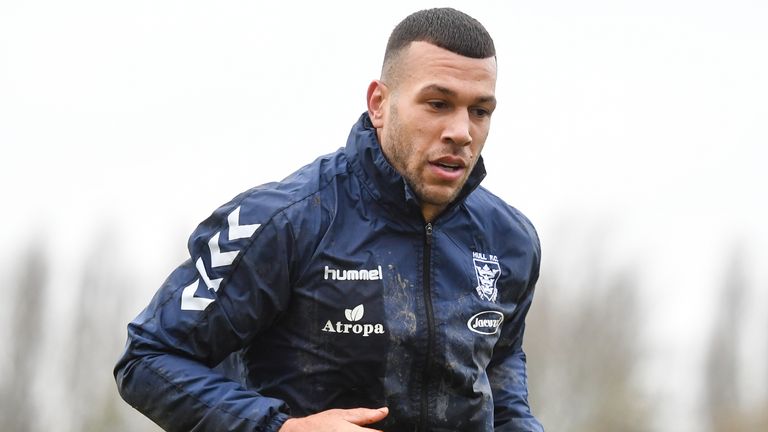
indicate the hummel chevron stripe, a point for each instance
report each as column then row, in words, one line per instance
column 218, row 259
column 190, row 302
column 237, row 231
column 188, row 299
column 211, row 284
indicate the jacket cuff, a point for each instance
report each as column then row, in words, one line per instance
column 521, row 425
column 277, row 422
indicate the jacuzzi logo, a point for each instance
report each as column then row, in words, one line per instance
column 486, row 322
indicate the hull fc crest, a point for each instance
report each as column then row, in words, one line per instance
column 487, row 271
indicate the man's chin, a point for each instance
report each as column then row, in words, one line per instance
column 438, row 198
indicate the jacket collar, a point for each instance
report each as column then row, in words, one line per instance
column 383, row 182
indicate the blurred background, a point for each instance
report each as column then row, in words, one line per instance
column 633, row 134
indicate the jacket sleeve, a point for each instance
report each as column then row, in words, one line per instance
column 507, row 369
column 235, row 284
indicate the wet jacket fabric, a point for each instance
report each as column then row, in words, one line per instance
column 329, row 290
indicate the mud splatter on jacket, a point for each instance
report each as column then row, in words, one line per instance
column 328, row 290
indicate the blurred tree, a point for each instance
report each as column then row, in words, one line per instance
column 583, row 355
column 721, row 368
column 723, row 403
column 98, row 338
column 26, row 300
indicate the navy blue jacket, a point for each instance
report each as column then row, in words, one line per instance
column 328, row 290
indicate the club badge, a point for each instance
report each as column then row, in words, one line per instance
column 487, row 270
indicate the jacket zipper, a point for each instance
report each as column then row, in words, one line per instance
column 430, row 327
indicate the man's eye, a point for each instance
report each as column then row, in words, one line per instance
column 438, row 105
column 480, row 112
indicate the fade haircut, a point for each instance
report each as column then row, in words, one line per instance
column 446, row 28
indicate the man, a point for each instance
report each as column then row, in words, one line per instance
column 378, row 288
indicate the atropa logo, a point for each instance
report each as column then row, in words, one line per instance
column 486, row 322
column 354, row 315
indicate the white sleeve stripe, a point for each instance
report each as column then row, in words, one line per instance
column 237, row 231
column 211, row 284
column 190, row 302
column 219, row 258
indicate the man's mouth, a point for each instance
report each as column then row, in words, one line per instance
column 449, row 163
column 449, row 166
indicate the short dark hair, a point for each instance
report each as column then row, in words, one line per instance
column 447, row 28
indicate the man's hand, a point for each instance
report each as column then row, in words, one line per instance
column 336, row 420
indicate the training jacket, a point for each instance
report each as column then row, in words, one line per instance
column 329, row 290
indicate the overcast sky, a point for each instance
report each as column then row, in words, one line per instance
column 639, row 126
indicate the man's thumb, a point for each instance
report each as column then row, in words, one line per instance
column 364, row 416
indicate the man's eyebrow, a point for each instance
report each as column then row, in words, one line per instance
column 439, row 89
column 451, row 93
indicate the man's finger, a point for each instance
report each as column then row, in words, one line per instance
column 364, row 416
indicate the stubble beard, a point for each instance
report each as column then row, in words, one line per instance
column 400, row 147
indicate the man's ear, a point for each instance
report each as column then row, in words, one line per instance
column 377, row 97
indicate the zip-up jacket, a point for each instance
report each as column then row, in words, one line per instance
column 329, row 290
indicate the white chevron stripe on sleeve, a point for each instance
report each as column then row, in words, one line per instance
column 211, row 284
column 219, row 258
column 237, row 231
column 190, row 302
column 188, row 299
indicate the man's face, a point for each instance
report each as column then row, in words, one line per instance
column 433, row 120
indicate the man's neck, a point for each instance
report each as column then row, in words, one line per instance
column 431, row 211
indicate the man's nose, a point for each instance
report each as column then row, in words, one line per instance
column 457, row 129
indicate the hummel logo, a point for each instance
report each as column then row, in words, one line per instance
column 355, row 314
column 336, row 274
